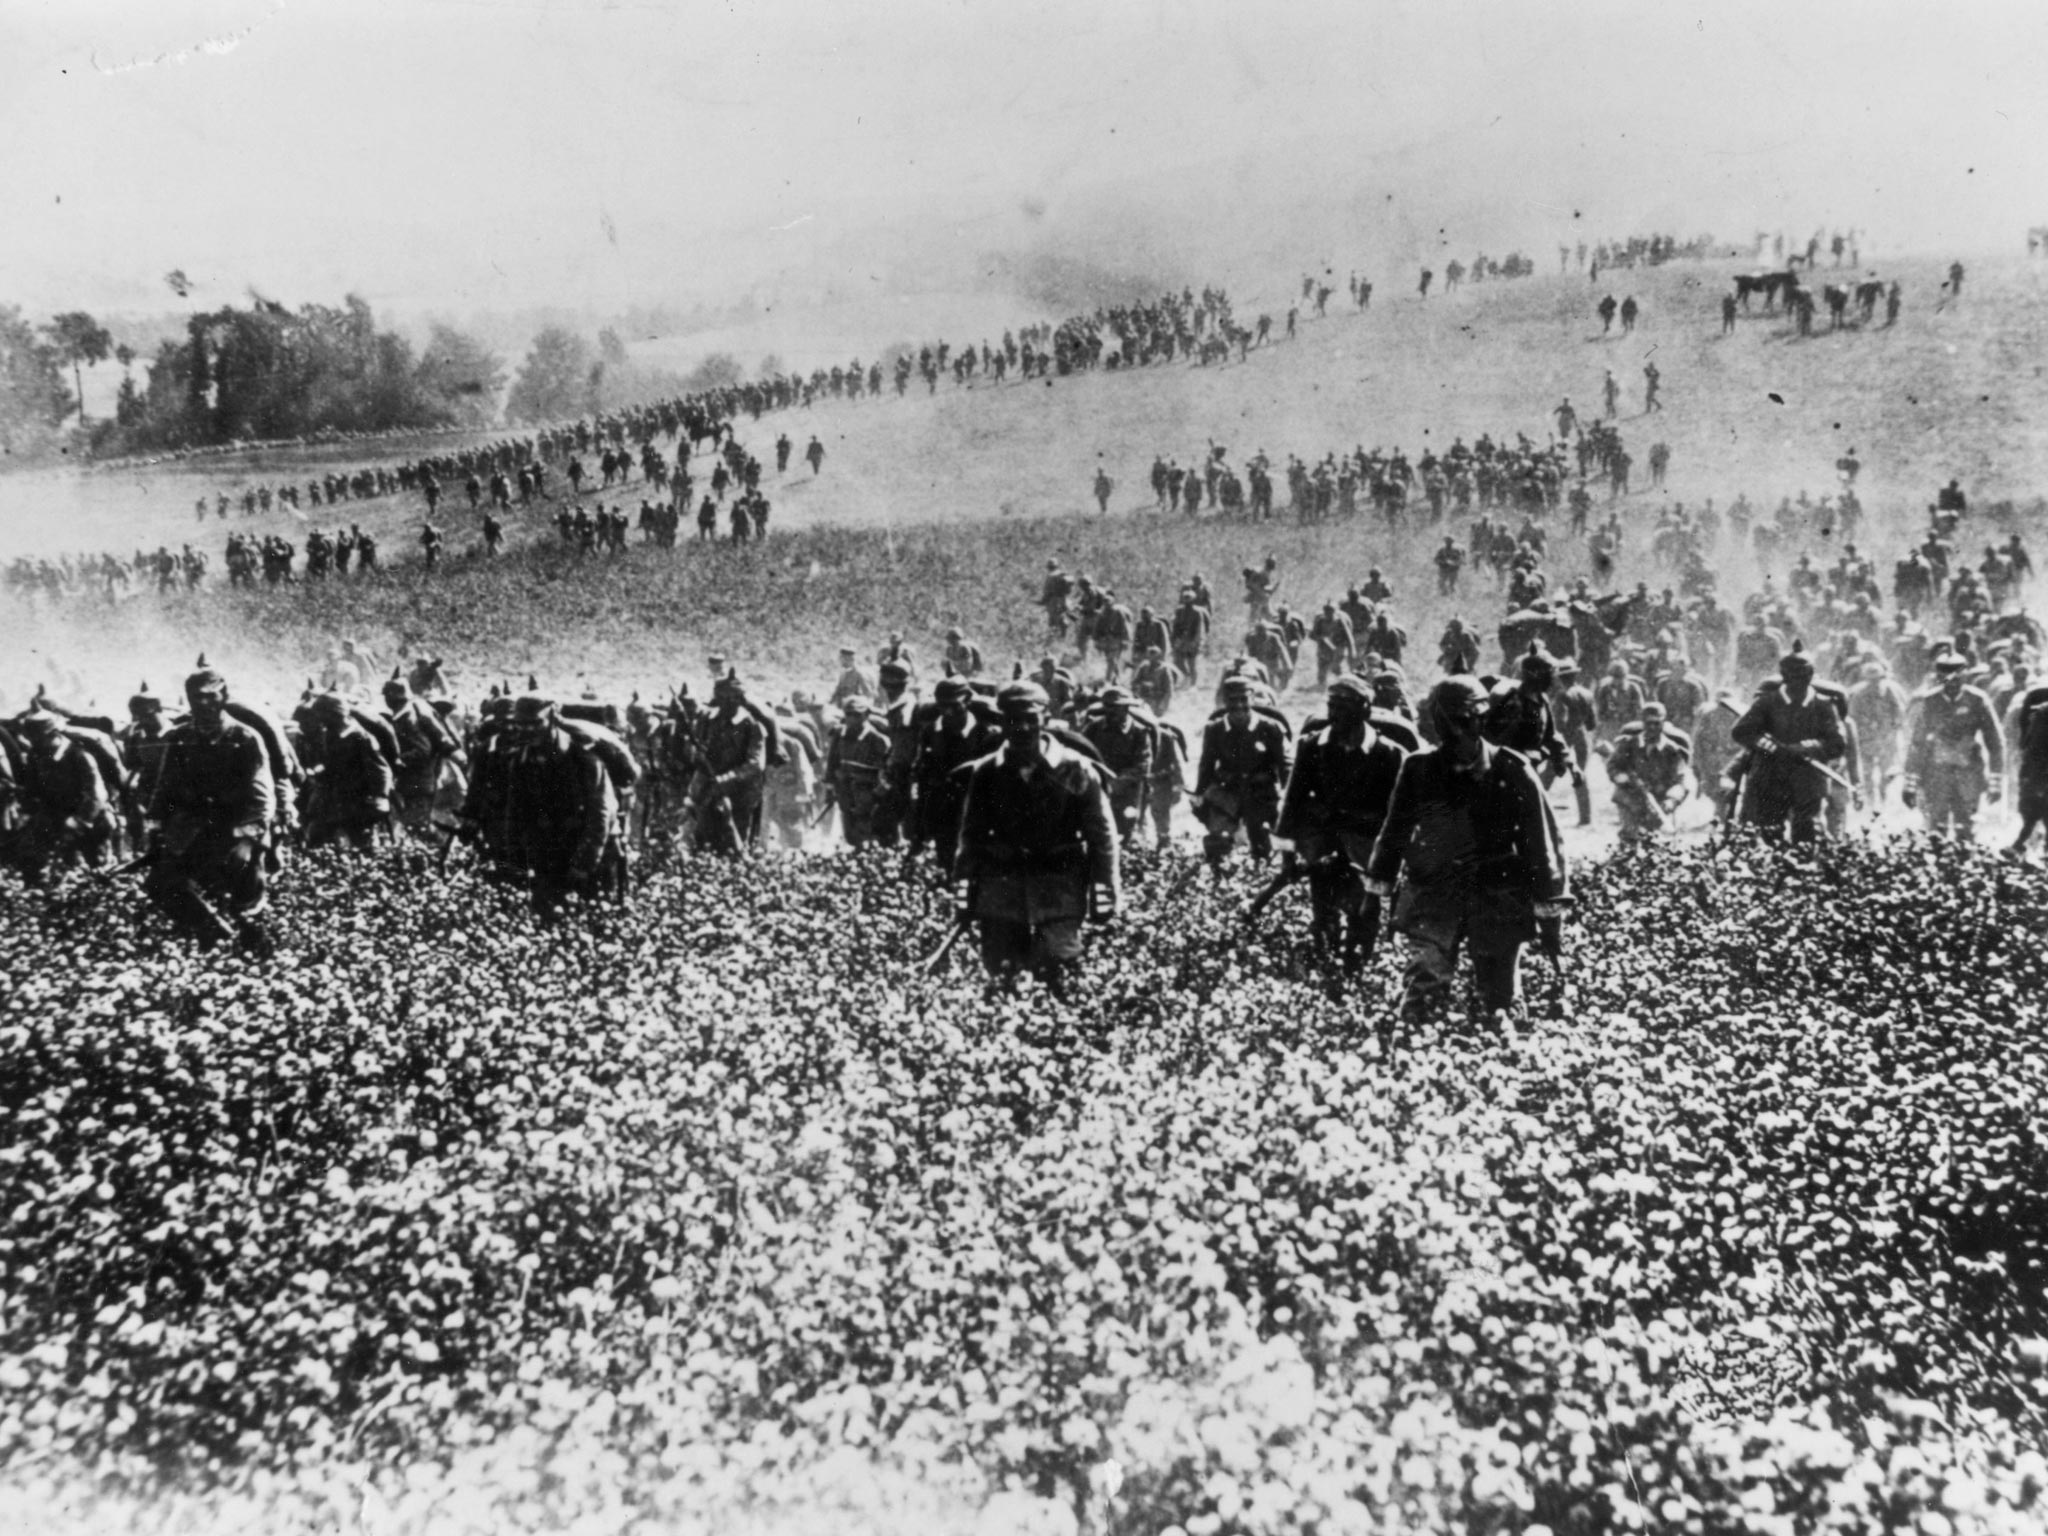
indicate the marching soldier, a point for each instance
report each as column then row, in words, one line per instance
column 1037, row 852
column 1244, row 763
column 1152, row 681
column 1647, row 767
column 1571, row 706
column 1125, row 745
column 559, row 810
column 1472, row 845
column 1787, row 730
column 143, row 743
column 430, row 782
column 949, row 737
column 854, row 766
column 68, row 803
column 349, row 796
column 1955, row 739
column 1336, row 802
column 214, row 803
column 722, row 806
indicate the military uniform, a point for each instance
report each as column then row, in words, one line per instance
column 430, row 782
column 1476, row 852
column 854, row 767
column 1781, row 788
column 1034, row 839
column 723, row 802
column 946, row 744
column 1646, row 775
column 1336, row 802
column 1127, row 752
column 560, row 808
column 1238, row 783
column 68, row 804
column 214, row 804
column 1954, row 741
column 349, row 795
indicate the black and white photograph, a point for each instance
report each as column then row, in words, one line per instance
column 958, row 768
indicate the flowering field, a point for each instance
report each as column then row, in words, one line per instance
column 716, row 1213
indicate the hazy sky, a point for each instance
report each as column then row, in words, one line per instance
column 481, row 154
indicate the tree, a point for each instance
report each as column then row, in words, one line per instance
column 80, row 339
column 611, row 347
column 462, row 375
column 33, row 399
column 721, row 370
column 553, row 383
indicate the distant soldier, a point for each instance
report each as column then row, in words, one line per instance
column 1450, row 560
column 1336, row 802
column 1053, row 594
column 814, row 455
column 1152, row 680
column 214, row 803
column 143, row 743
column 430, row 781
column 1571, row 706
column 1331, row 632
column 783, row 448
column 1103, row 486
column 962, row 655
column 1037, row 851
column 853, row 682
column 1956, row 752
column 1647, row 768
column 1652, row 380
column 1244, row 763
column 1190, row 630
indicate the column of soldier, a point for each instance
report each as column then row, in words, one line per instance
column 1027, row 793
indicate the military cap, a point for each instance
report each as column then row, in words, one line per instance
column 1567, row 668
column 953, row 634
column 1351, row 686
column 1461, row 688
column 1796, row 661
column 857, row 704
column 40, row 723
column 951, row 689
column 143, row 699
column 1154, row 653
column 1950, row 661
column 1022, row 696
column 532, row 708
column 204, row 680
column 849, row 650
column 1236, row 683
column 1116, row 697
column 1653, row 711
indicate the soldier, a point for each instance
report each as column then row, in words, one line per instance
column 1037, row 851
column 1112, row 637
column 722, row 806
column 566, row 799
column 854, row 766
column 853, row 682
column 1103, row 486
column 1190, row 637
column 143, row 742
column 1332, row 635
column 1244, row 763
column 1052, row 597
column 1682, row 695
column 1647, row 767
column 1955, row 738
column 1458, row 648
column 1152, row 681
column 1169, row 778
column 962, row 655
column 2030, row 747
column 1618, row 700
column 1571, row 706
column 1878, row 708
column 815, row 455
column 783, row 447
column 67, row 801
column 1787, row 729
column 896, row 711
column 430, row 781
column 789, row 788
column 1450, row 560
column 1336, row 802
column 1471, row 831
column 214, row 803
column 950, row 735
column 1126, row 749
column 894, row 649
column 349, row 796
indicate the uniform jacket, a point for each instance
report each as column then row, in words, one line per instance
column 1034, row 842
column 1773, row 713
column 1482, row 844
column 1251, row 762
column 1339, row 785
column 213, row 785
column 1959, row 734
column 1656, row 767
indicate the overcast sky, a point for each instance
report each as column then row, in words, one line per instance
column 483, row 154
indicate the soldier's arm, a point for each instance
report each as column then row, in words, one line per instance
column 1098, row 830
column 1390, row 848
column 1753, row 726
column 1994, row 738
column 1300, row 792
column 750, row 770
column 600, row 809
column 1542, row 845
column 257, row 802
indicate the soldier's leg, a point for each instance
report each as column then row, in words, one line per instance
column 1431, row 971
column 1220, row 830
column 1497, row 972
column 1161, row 802
column 1056, row 951
column 1258, row 830
column 1805, row 813
column 1005, row 946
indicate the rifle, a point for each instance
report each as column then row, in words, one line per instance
column 941, row 954
column 127, row 867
